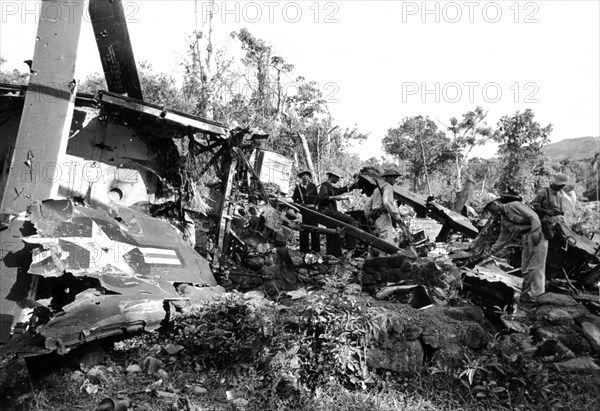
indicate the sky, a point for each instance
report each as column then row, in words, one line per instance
column 378, row 62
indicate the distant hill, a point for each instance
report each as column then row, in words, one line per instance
column 574, row 148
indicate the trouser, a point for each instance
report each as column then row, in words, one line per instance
column 315, row 244
column 533, row 267
column 333, row 245
column 385, row 229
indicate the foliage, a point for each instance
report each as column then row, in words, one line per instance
column 12, row 77
column 418, row 141
column 221, row 333
column 335, row 335
column 467, row 133
column 507, row 372
column 521, row 140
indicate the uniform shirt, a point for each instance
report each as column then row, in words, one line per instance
column 328, row 190
column 383, row 198
column 548, row 200
column 305, row 195
column 517, row 219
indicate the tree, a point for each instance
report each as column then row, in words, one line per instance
column 467, row 133
column 12, row 77
column 418, row 142
column 520, row 140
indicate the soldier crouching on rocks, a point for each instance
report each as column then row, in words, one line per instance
column 520, row 219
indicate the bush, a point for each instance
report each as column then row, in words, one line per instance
column 221, row 333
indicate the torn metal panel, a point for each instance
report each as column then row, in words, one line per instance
column 579, row 242
column 274, row 168
column 15, row 283
column 94, row 316
column 48, row 109
column 162, row 115
column 89, row 242
column 106, row 273
column 491, row 287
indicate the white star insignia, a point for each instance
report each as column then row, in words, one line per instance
column 106, row 255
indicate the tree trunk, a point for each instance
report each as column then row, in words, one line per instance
column 307, row 154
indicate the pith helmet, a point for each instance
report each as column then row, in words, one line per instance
column 391, row 172
column 560, row 180
column 488, row 199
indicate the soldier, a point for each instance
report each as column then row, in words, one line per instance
column 520, row 219
column 382, row 210
column 328, row 195
column 549, row 205
column 305, row 193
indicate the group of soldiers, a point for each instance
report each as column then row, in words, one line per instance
column 535, row 223
column 380, row 209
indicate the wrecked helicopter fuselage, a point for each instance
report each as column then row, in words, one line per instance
column 75, row 274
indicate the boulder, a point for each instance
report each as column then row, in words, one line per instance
column 569, row 336
column 555, row 316
column 556, row 349
column 592, row 334
column 450, row 356
column 577, row 365
column 474, row 336
column 556, row 299
column 400, row 356
column 466, row 313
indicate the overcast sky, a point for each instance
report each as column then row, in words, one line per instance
column 380, row 61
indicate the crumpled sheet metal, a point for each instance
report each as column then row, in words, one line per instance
column 494, row 274
column 94, row 316
column 123, row 252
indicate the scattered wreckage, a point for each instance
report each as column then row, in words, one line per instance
column 121, row 249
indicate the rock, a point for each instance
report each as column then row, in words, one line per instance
column 254, row 294
column 582, row 364
column 553, row 348
column 166, row 394
column 555, row 316
column 474, row 336
column 402, row 357
column 412, row 332
column 254, row 262
column 556, row 299
column 173, row 349
column 587, row 317
column 77, row 377
column 133, row 368
column 592, row 334
column 197, row 390
column 567, row 335
column 466, row 313
column 162, row 374
column 451, row 356
column 150, row 365
column 302, row 271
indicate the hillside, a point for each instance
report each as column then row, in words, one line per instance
column 574, row 148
